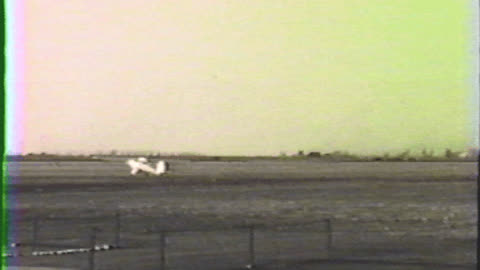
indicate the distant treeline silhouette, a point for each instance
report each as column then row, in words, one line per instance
column 424, row 155
column 51, row 157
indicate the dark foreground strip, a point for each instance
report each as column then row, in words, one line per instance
column 372, row 263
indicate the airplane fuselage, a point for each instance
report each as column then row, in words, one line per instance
column 137, row 167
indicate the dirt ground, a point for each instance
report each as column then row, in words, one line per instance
column 382, row 215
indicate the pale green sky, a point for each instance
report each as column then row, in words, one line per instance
column 250, row 77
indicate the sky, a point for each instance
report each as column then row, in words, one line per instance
column 248, row 77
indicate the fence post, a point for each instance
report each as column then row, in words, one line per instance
column 162, row 249
column 117, row 229
column 91, row 254
column 251, row 245
column 34, row 233
column 329, row 236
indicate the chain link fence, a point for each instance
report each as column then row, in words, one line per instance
column 133, row 242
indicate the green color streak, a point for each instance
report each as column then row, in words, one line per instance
column 4, row 220
column 368, row 76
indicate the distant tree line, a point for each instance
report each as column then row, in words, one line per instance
column 424, row 155
column 50, row 157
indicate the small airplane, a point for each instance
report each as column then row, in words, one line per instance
column 141, row 166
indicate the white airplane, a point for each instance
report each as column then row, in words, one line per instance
column 141, row 166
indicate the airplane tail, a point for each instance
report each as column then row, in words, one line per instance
column 162, row 167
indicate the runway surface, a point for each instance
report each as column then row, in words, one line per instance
column 400, row 215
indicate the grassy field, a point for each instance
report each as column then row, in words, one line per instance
column 383, row 215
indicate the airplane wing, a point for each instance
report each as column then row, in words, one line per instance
column 134, row 171
column 133, row 166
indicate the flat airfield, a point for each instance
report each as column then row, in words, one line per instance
column 382, row 215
